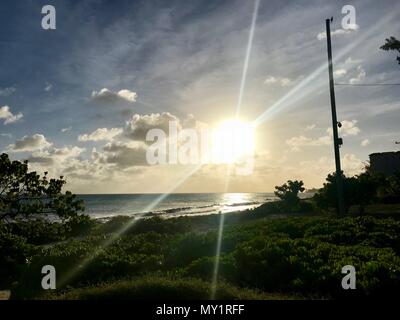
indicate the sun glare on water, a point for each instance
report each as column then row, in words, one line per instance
column 233, row 141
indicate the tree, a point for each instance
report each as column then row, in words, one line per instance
column 26, row 195
column 358, row 190
column 392, row 44
column 289, row 191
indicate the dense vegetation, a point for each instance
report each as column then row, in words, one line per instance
column 295, row 256
column 290, row 248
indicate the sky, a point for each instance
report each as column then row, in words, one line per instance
column 77, row 101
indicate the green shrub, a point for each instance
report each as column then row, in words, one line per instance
column 204, row 268
column 14, row 255
column 156, row 288
column 79, row 225
column 37, row 231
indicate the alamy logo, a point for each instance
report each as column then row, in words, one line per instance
column 49, row 20
column 49, row 280
column 349, row 20
column 232, row 143
column 349, row 280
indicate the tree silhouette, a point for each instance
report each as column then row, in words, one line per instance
column 392, row 44
column 289, row 191
column 26, row 195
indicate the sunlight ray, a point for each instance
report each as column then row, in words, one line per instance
column 214, row 281
column 247, row 58
column 81, row 267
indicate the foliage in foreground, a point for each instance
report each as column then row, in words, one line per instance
column 297, row 255
column 25, row 195
column 162, row 288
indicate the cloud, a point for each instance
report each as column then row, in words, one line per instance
column 101, row 134
column 350, row 164
column 301, row 141
column 339, row 73
column 337, row 32
column 349, row 128
column 5, row 92
column 107, row 96
column 350, row 70
column 8, row 135
column 311, row 127
column 29, row 143
column 66, row 129
column 9, row 117
column 138, row 126
column 365, row 142
column 359, row 76
column 122, row 155
column 55, row 156
column 48, row 87
column 351, row 60
column 283, row 82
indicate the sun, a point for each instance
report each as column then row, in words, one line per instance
column 233, row 141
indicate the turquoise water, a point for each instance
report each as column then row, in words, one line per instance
column 108, row 205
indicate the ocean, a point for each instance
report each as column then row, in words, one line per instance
column 170, row 205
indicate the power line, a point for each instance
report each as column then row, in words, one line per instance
column 367, row 84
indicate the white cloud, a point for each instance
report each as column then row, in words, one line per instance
column 67, row 152
column 337, row 32
column 101, row 134
column 339, row 73
column 9, row 117
column 277, row 80
column 351, row 60
column 350, row 163
column 128, row 95
column 359, row 76
column 107, row 96
column 48, row 87
column 66, row 129
column 365, row 142
column 29, row 143
column 349, row 128
column 5, row 92
column 311, row 127
column 301, row 141
column 55, row 156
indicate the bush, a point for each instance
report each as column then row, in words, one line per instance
column 360, row 190
column 308, row 265
column 158, row 288
column 301, row 255
column 281, row 207
column 37, row 231
column 79, row 225
column 204, row 268
column 14, row 255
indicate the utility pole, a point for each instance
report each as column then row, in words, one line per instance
column 336, row 140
